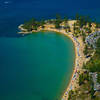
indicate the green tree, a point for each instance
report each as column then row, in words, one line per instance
column 58, row 21
column 97, row 25
column 58, row 17
column 74, row 27
column 85, row 50
column 84, row 36
column 30, row 24
column 42, row 22
column 92, row 92
column 98, row 78
column 98, row 47
column 77, row 16
column 81, row 79
column 65, row 18
column 70, row 95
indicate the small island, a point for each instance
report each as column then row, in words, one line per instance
column 85, row 34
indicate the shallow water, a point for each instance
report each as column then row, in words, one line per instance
column 35, row 67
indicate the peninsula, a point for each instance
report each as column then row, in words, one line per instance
column 85, row 34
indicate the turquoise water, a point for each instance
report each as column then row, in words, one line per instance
column 35, row 67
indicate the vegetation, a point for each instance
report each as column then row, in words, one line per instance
column 58, row 21
column 77, row 17
column 86, row 85
column 70, row 94
column 33, row 24
column 83, row 20
column 98, row 78
column 83, row 36
column 65, row 19
column 92, row 92
column 82, row 26
column 85, row 90
column 86, row 50
column 97, row 25
column 83, row 77
column 94, row 64
column 98, row 45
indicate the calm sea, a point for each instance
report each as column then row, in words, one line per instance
column 15, row 12
column 35, row 67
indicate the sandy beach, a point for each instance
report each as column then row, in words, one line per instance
column 79, row 58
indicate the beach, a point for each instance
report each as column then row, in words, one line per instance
column 79, row 58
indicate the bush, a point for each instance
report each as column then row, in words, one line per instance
column 83, row 77
column 85, row 50
column 70, row 95
column 98, row 78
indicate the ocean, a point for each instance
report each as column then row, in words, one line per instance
column 15, row 12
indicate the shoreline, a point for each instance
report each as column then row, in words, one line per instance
column 79, row 58
column 77, row 66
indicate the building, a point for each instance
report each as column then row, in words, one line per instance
column 94, row 78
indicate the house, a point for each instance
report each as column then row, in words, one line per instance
column 94, row 78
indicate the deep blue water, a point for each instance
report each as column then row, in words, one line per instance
column 15, row 12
